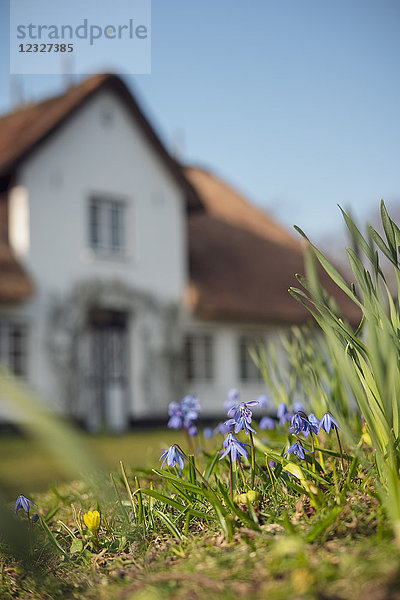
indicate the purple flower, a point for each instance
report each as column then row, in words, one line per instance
column 300, row 423
column 190, row 407
column 234, row 447
column 173, row 456
column 176, row 416
column 208, row 433
column 242, row 416
column 192, row 429
column 184, row 414
column 327, row 423
column 297, row 407
column 314, row 423
column 267, row 423
column 298, row 449
column 233, row 399
column 283, row 414
column 222, row 428
column 23, row 502
column 263, row 400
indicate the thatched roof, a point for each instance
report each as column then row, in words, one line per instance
column 23, row 130
column 242, row 262
column 15, row 285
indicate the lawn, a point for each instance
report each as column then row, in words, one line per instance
column 304, row 504
column 26, row 467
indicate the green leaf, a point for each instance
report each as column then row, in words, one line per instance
column 76, row 546
column 172, row 502
column 332, row 271
column 389, row 231
column 182, row 483
column 51, row 535
column 211, row 466
column 323, row 525
column 358, row 237
column 381, row 244
column 169, row 524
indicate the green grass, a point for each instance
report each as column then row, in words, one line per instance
column 25, row 467
column 354, row 558
column 326, row 528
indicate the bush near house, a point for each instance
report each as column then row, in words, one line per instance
column 304, row 504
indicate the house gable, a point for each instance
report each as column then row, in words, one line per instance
column 22, row 131
column 101, row 152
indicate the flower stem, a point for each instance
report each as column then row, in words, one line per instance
column 231, row 477
column 340, row 450
column 313, row 450
column 270, row 475
column 253, row 460
column 245, row 484
column 204, row 480
column 189, row 442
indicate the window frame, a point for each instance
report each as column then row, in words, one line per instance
column 199, row 357
column 14, row 356
column 106, row 231
column 248, row 373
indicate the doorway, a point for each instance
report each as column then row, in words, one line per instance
column 109, row 372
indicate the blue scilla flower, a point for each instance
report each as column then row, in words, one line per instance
column 297, row 407
column 314, row 423
column 208, row 433
column 242, row 416
column 299, row 423
column 327, row 423
column 173, row 456
column 267, row 423
column 23, row 502
column 282, row 413
column 222, row 428
column 263, row 401
column 298, row 449
column 233, row 399
column 176, row 416
column 192, row 429
column 184, row 414
column 235, row 448
column 190, row 408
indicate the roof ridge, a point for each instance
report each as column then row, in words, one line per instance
column 236, row 208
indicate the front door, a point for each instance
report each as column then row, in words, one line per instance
column 108, row 380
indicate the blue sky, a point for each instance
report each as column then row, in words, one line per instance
column 295, row 102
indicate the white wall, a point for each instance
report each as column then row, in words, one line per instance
column 86, row 157
column 99, row 151
column 226, row 336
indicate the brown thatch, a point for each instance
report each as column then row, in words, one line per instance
column 242, row 262
column 23, row 130
column 15, row 284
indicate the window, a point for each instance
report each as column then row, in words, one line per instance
column 13, row 347
column 199, row 357
column 106, row 225
column 247, row 369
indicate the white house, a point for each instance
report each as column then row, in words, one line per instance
column 125, row 279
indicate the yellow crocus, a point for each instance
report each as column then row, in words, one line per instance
column 92, row 520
